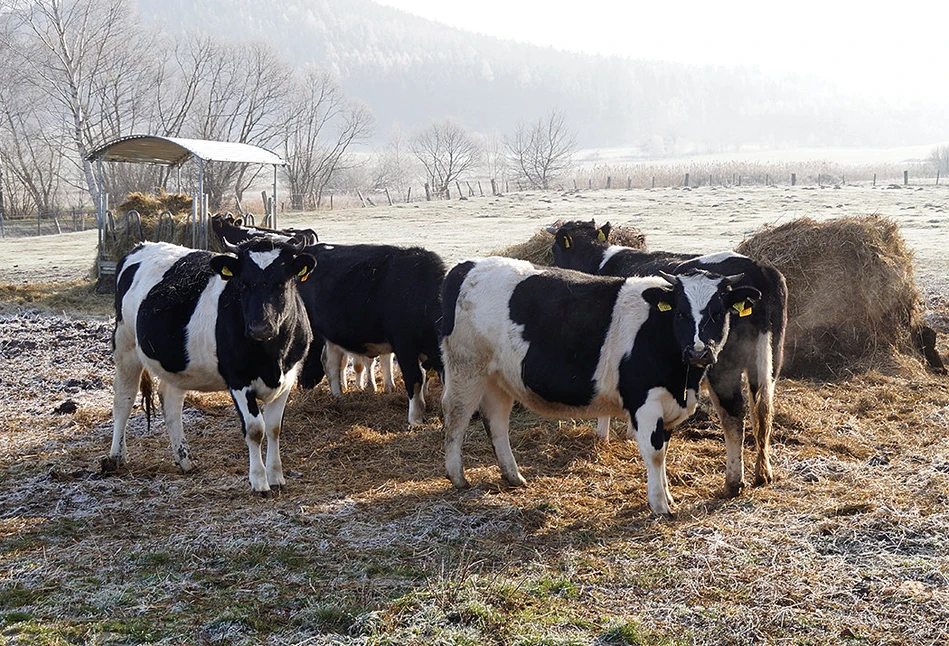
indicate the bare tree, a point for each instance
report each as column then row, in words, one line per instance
column 495, row 156
column 543, row 151
column 393, row 165
column 321, row 125
column 85, row 57
column 939, row 158
column 240, row 94
column 446, row 150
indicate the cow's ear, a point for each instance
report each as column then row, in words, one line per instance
column 741, row 299
column 302, row 265
column 659, row 297
column 564, row 240
column 225, row 266
column 603, row 233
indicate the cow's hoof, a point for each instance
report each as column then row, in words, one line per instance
column 763, row 479
column 266, row 494
column 277, row 489
column 110, row 465
column 459, row 483
column 185, row 466
column 519, row 481
column 733, row 489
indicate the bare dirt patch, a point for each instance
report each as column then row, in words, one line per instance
column 371, row 545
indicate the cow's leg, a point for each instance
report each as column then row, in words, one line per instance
column 496, row 415
column 414, row 379
column 653, row 440
column 460, row 398
column 128, row 372
column 761, row 385
column 273, row 422
column 333, row 364
column 385, row 360
column 725, row 391
column 172, row 401
column 362, row 366
column 603, row 428
column 252, row 422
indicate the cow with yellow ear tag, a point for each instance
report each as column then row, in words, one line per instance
column 755, row 348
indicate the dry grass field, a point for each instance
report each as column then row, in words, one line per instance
column 370, row 544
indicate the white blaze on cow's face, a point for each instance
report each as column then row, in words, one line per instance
column 701, row 318
column 264, row 259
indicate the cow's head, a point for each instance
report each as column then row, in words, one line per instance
column 579, row 245
column 265, row 273
column 699, row 304
column 233, row 231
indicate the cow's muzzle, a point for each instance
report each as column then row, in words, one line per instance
column 260, row 331
column 699, row 358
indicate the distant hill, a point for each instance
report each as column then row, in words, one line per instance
column 409, row 71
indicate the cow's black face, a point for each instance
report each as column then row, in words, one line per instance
column 700, row 304
column 579, row 245
column 264, row 273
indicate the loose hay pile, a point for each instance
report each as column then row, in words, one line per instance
column 539, row 249
column 852, row 298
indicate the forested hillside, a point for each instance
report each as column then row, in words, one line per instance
column 409, row 71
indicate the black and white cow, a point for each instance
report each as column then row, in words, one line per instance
column 568, row 344
column 325, row 358
column 755, row 345
column 376, row 299
column 372, row 300
column 209, row 322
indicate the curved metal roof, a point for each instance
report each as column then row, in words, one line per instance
column 174, row 151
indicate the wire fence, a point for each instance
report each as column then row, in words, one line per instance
column 65, row 221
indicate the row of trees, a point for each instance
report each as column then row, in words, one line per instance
column 75, row 74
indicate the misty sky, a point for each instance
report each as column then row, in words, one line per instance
column 895, row 49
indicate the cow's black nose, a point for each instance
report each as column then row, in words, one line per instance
column 258, row 331
column 700, row 359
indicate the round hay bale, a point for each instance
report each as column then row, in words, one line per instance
column 852, row 298
column 539, row 249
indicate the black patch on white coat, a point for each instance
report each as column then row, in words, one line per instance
column 165, row 312
column 451, row 288
column 566, row 317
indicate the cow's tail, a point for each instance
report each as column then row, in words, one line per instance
column 778, row 317
column 146, row 386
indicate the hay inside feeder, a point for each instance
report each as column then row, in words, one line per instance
column 852, row 297
column 149, row 207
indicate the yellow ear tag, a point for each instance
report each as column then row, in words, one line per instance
column 600, row 235
column 663, row 306
column 742, row 308
column 226, row 273
column 566, row 242
column 303, row 274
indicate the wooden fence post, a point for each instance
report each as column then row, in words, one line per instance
column 428, row 192
column 590, row 183
column 629, row 182
column 461, row 194
column 793, row 179
column 387, row 195
column 654, row 181
column 480, row 190
column 686, row 180
column 905, row 178
column 408, row 195
column 609, row 181
column 937, row 178
column 874, row 180
column 494, row 186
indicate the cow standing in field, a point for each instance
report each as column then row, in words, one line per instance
column 209, row 322
column 325, row 357
column 568, row 344
column 755, row 345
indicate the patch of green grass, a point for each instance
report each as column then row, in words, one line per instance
column 17, row 596
column 630, row 633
